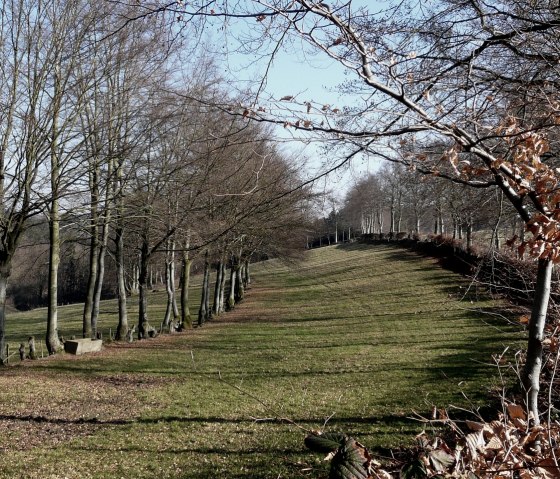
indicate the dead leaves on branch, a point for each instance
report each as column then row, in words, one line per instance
column 500, row 449
column 318, row 111
column 527, row 176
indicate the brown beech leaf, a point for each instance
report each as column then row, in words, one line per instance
column 475, row 443
column 494, row 443
column 515, row 411
column 474, row 426
column 441, row 460
column 548, row 469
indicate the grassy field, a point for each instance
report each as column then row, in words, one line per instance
column 353, row 339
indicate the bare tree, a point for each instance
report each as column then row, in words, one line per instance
column 479, row 77
column 38, row 50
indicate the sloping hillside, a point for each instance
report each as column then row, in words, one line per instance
column 354, row 338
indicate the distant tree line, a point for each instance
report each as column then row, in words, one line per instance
column 396, row 201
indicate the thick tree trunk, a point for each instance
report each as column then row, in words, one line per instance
column 122, row 327
column 203, row 310
column 246, row 274
column 239, row 288
column 217, row 288
column 532, row 370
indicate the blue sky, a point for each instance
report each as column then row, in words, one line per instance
column 300, row 72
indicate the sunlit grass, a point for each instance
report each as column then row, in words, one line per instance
column 355, row 338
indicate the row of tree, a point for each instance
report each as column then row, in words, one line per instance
column 465, row 90
column 103, row 147
column 399, row 201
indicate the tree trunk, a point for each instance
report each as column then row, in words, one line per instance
column 223, row 277
column 217, row 288
column 100, row 271
column 336, row 232
column 143, row 291
column 122, row 327
column 207, row 288
column 239, row 289
column 93, row 251
column 399, row 214
column 246, row 274
column 52, row 340
column 171, row 308
column 496, row 230
column 203, row 311
column 441, row 225
column 185, row 280
column 532, row 369
column 32, row 351
column 469, row 235
column 232, row 275
column 5, row 268
column 172, row 283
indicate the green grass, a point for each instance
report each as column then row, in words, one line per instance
column 357, row 337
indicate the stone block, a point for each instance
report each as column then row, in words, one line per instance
column 82, row 346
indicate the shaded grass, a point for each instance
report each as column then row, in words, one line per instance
column 356, row 337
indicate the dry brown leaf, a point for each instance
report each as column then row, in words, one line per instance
column 549, row 469
column 381, row 474
column 515, row 411
column 475, row 443
column 474, row 426
column 495, row 444
column 520, row 424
